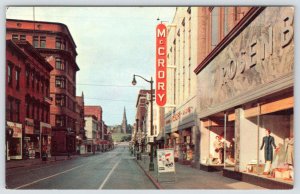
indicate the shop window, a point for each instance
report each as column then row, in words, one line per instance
column 22, row 37
column 15, row 37
column 43, row 41
column 60, row 82
column 215, row 31
column 58, row 43
column 35, row 41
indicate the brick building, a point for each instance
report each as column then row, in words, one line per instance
column 139, row 139
column 80, row 123
column 27, row 101
column 192, row 35
column 245, row 85
column 96, row 112
column 55, row 43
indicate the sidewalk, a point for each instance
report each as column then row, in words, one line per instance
column 10, row 164
column 191, row 178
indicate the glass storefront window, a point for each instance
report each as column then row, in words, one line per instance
column 15, row 148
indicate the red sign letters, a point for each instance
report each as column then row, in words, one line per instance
column 161, row 65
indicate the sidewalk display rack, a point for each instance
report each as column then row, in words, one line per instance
column 165, row 163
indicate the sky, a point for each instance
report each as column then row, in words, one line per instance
column 113, row 43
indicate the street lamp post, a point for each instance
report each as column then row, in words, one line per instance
column 151, row 164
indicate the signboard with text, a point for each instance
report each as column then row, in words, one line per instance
column 161, row 65
column 165, row 160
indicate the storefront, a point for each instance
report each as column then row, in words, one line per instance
column 31, row 140
column 46, row 135
column 180, row 130
column 250, row 100
column 14, row 145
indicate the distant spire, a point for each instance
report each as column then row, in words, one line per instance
column 124, row 122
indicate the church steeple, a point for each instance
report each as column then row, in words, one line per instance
column 124, row 122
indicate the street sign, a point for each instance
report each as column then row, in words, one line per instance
column 165, row 160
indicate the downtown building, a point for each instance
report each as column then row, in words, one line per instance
column 245, row 87
column 191, row 37
column 80, row 125
column 158, row 124
column 55, row 43
column 138, row 135
column 233, row 81
column 101, row 140
column 28, row 129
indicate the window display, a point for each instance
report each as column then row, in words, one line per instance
column 275, row 152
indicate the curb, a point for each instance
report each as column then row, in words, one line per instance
column 156, row 184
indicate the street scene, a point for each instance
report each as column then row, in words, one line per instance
column 149, row 98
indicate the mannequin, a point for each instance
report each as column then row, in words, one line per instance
column 269, row 143
column 289, row 158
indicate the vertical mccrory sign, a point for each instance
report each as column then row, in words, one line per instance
column 161, row 65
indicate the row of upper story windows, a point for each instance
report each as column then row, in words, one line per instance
column 34, row 80
column 37, row 82
column 63, row 100
column 63, row 83
column 35, row 109
column 63, row 65
column 40, row 41
column 65, row 121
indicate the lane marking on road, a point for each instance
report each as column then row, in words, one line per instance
column 48, row 177
column 109, row 174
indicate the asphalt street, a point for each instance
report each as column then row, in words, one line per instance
column 115, row 169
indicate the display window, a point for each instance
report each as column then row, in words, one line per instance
column 32, row 146
column 187, row 146
column 15, row 143
column 15, row 151
column 272, row 152
column 219, row 140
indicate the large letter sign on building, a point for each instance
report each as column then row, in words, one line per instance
column 161, row 65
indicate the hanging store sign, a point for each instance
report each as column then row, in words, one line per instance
column 161, row 65
column 17, row 128
column 29, row 126
column 45, row 128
